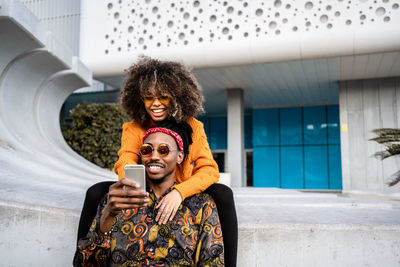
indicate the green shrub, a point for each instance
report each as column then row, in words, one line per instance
column 95, row 132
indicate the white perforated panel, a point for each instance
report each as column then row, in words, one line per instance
column 136, row 27
column 151, row 24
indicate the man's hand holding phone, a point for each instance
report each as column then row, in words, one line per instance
column 124, row 194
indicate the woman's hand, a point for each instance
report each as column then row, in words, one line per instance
column 121, row 197
column 168, row 207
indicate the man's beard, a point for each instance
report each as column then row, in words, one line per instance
column 160, row 180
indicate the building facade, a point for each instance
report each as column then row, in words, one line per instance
column 279, row 80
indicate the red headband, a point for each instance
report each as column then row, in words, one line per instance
column 175, row 135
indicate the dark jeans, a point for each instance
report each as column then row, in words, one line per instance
column 222, row 195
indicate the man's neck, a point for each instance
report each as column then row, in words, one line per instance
column 161, row 188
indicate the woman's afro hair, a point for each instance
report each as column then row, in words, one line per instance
column 152, row 76
column 181, row 128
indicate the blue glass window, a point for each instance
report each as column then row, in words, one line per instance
column 291, row 126
column 292, row 171
column 265, row 127
column 266, row 167
column 290, row 147
column 315, row 125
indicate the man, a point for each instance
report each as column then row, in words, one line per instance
column 125, row 231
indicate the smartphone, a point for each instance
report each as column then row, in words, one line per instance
column 137, row 174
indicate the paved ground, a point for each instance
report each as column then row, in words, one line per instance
column 292, row 228
column 272, row 205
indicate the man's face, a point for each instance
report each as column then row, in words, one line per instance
column 161, row 168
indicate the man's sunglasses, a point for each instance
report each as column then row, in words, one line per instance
column 146, row 150
column 149, row 99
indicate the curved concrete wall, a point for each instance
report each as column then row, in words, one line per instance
column 42, row 180
column 37, row 73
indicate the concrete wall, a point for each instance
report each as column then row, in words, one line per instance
column 366, row 105
column 33, row 235
column 317, row 245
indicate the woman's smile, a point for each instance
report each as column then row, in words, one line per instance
column 159, row 112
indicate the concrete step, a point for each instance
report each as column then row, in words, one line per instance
column 279, row 227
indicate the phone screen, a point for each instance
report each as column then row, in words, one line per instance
column 136, row 173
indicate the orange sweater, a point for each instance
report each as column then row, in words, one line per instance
column 194, row 175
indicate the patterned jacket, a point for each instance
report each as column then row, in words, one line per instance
column 192, row 238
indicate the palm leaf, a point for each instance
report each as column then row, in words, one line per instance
column 393, row 149
column 386, row 131
column 390, row 138
column 386, row 139
column 395, row 178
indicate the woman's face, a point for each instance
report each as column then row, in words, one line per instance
column 157, row 106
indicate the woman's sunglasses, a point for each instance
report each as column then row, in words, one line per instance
column 149, row 99
column 146, row 150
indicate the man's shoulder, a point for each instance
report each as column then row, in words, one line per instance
column 198, row 201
